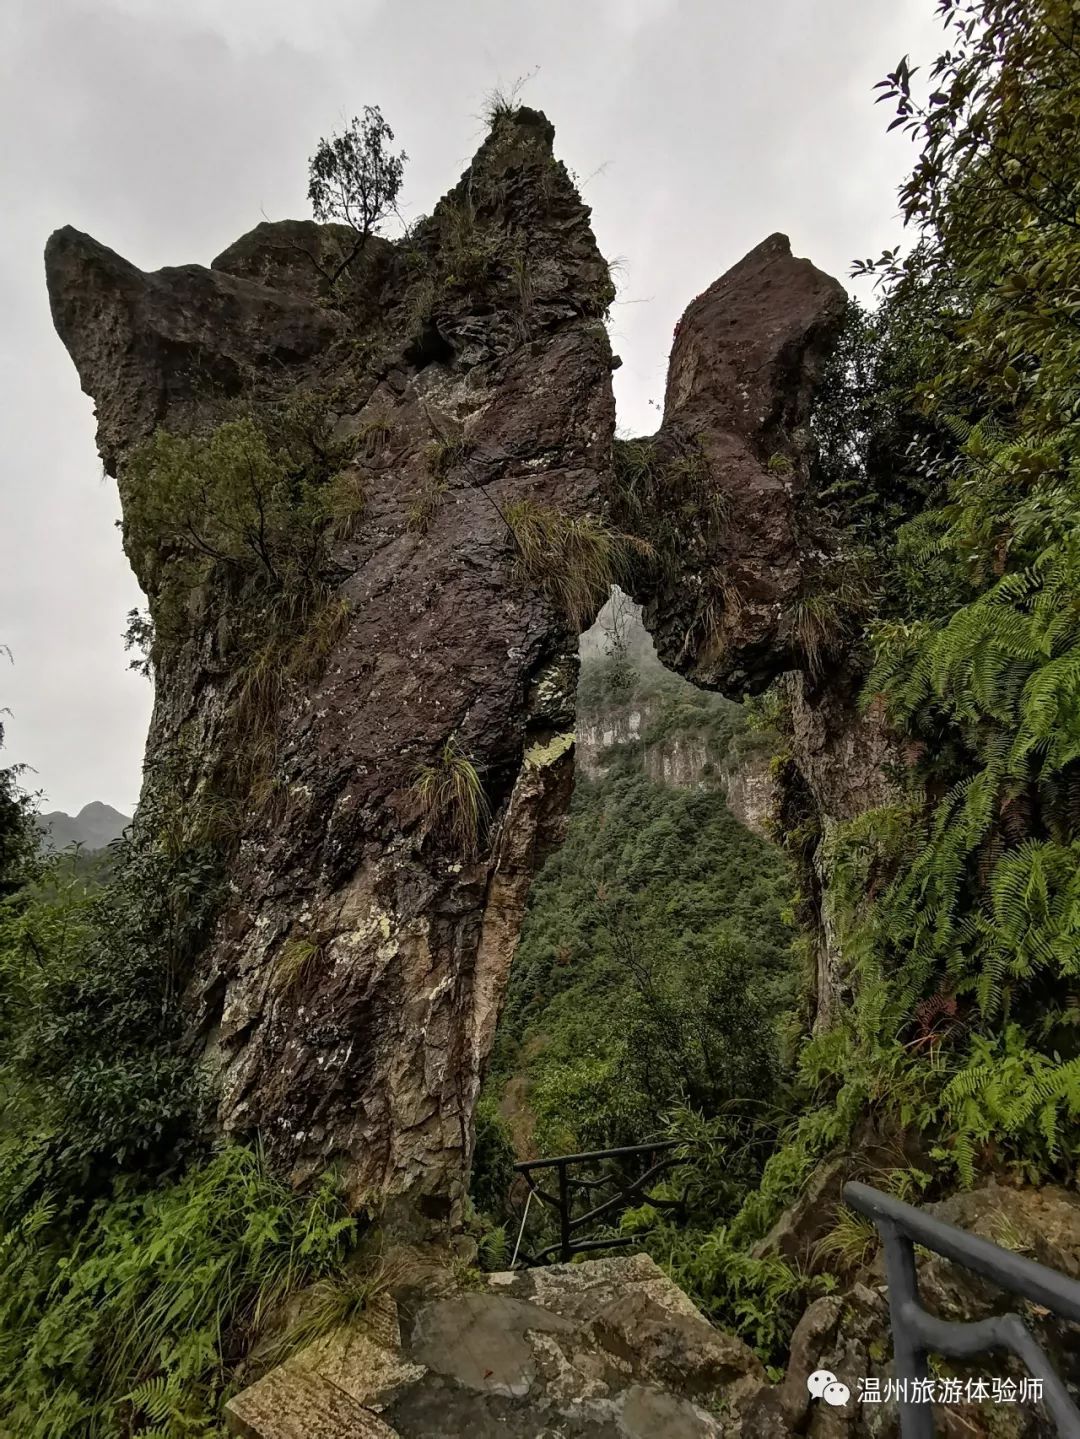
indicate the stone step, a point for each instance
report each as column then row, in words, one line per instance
column 606, row 1349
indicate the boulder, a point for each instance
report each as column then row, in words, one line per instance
column 728, row 471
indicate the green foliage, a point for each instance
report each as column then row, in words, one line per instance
column 633, row 988
column 981, row 908
column 91, row 1079
column 345, row 504
column 239, row 506
column 1011, row 1097
column 762, row 1298
column 493, row 1157
column 470, row 249
column 354, row 177
column 451, row 799
column 675, row 710
column 949, row 451
column 18, row 834
column 850, row 1241
column 671, row 493
column 139, row 636
column 503, row 104
column 826, row 616
column 241, row 517
column 880, row 460
column 573, row 560
column 135, row 1316
column 425, row 504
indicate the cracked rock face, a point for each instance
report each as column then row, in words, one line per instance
column 372, row 1061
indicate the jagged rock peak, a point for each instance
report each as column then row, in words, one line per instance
column 722, row 484
column 462, row 370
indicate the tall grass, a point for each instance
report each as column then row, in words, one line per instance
column 573, row 560
column 452, row 799
column 134, row 1322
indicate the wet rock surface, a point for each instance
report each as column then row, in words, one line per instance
column 479, row 337
column 609, row 1349
column 741, row 375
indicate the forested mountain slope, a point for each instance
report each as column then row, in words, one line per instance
column 655, row 965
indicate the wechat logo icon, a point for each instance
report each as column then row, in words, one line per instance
column 823, row 1385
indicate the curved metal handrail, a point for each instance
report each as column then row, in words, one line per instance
column 917, row 1333
column 569, row 1225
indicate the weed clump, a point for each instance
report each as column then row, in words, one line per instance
column 297, row 963
column 573, row 560
column 451, row 797
column 132, row 1321
column 445, row 454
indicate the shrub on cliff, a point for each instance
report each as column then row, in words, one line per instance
column 239, row 505
column 354, row 177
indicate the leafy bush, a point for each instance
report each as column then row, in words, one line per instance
column 493, row 1157
column 91, row 1079
column 355, row 178
column 239, row 504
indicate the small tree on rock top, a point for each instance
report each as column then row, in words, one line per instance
column 354, row 176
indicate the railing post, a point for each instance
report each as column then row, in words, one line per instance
column 562, row 1201
column 909, row 1356
column 565, row 1252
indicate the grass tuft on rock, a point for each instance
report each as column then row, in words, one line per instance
column 452, row 799
column 574, row 560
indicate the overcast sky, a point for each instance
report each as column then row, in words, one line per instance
column 166, row 128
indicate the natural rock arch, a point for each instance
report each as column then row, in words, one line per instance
column 481, row 336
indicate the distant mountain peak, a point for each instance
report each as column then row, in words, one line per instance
column 96, row 825
column 98, row 807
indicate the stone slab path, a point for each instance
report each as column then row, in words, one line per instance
column 608, row 1349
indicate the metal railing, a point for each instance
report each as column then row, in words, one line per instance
column 570, row 1187
column 917, row 1333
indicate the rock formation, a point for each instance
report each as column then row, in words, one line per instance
column 482, row 338
column 739, row 390
column 725, row 485
column 462, row 371
column 685, row 759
